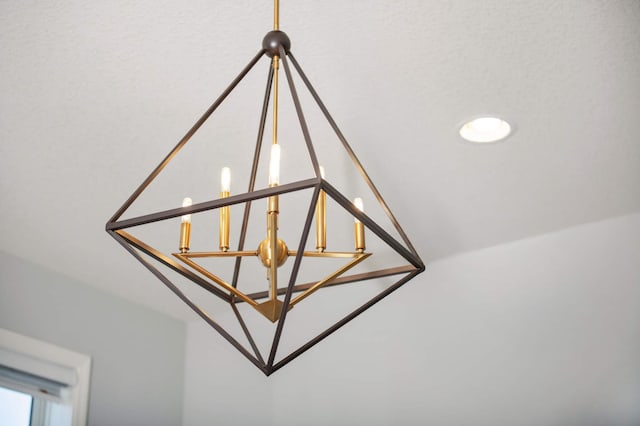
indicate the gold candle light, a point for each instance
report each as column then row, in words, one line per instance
column 185, row 227
column 321, row 219
column 359, row 227
column 225, row 212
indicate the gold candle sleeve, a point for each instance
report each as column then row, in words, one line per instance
column 321, row 222
column 185, row 236
column 359, row 227
column 225, row 223
column 359, row 231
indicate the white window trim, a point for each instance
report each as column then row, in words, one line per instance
column 52, row 362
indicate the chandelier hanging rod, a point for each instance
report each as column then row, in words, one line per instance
column 276, row 15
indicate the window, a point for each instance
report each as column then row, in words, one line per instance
column 42, row 384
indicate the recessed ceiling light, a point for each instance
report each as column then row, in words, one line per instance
column 485, row 129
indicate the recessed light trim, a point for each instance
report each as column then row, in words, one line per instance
column 485, row 130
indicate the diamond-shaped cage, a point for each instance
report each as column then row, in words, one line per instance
column 230, row 291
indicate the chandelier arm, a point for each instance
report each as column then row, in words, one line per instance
column 293, row 277
column 254, row 172
column 197, row 254
column 222, row 283
column 353, row 157
column 167, row 261
column 343, row 254
column 413, row 258
column 186, row 137
column 342, row 322
column 301, row 119
column 317, row 286
column 340, row 281
column 256, row 351
column 188, row 301
column 213, row 204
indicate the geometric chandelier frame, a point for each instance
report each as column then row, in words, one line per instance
column 276, row 46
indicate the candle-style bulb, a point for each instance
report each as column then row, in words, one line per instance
column 186, row 202
column 359, row 205
column 322, row 172
column 274, row 165
column 225, row 179
column 185, row 227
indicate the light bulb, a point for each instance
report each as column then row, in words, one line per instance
column 225, row 179
column 274, row 165
column 485, row 129
column 359, row 205
column 322, row 172
column 186, row 202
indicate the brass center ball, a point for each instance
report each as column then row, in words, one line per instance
column 264, row 252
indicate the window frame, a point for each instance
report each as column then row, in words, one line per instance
column 51, row 362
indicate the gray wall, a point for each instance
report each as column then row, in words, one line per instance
column 137, row 354
column 543, row 331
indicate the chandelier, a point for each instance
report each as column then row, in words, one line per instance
column 280, row 289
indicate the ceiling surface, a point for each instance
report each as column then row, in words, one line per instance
column 94, row 94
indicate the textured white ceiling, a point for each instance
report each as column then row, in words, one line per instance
column 94, row 94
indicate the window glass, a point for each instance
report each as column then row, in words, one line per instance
column 15, row 408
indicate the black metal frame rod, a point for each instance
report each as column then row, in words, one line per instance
column 342, row 322
column 170, row 263
column 293, row 277
column 353, row 156
column 370, row 224
column 301, row 119
column 347, row 279
column 254, row 172
column 188, row 301
column 186, row 137
column 247, row 333
column 213, row 204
